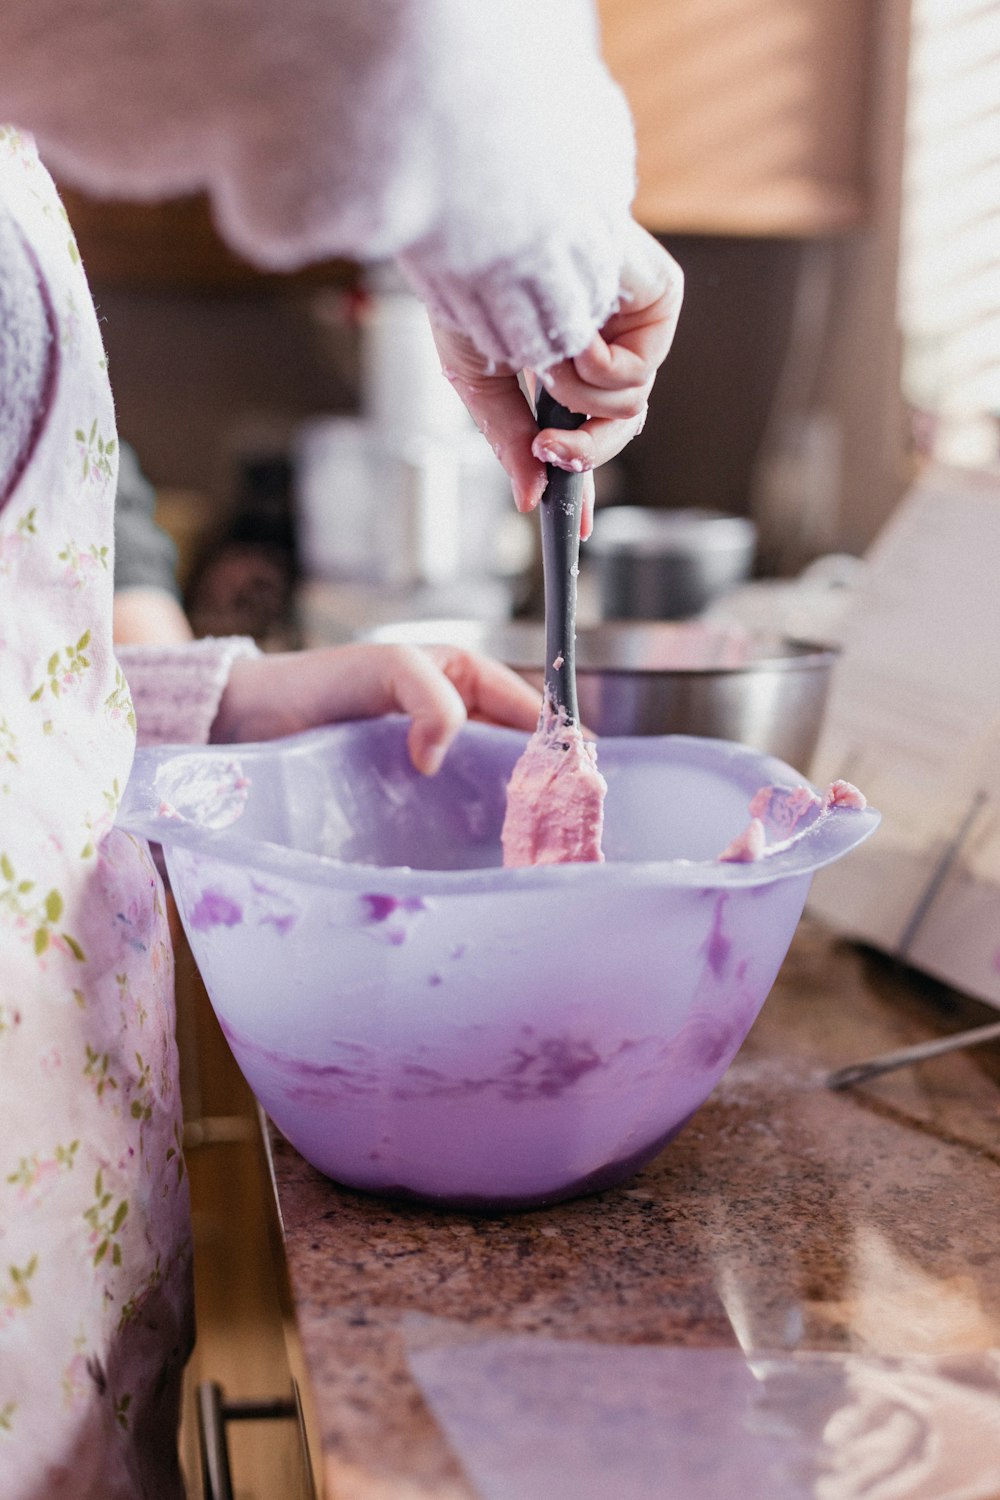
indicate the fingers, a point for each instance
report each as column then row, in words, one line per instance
column 622, row 359
column 622, row 379
column 440, row 686
column 607, row 368
column 652, row 290
column 500, row 411
column 489, row 690
column 586, row 447
column 434, row 705
column 506, row 421
column 612, row 378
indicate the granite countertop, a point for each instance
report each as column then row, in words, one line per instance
column 800, row 1296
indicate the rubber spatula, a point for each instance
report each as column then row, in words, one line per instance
column 555, row 799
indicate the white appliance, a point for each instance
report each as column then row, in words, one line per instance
column 404, row 509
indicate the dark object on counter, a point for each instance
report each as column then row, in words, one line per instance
column 667, row 564
column 244, row 582
column 906, row 1057
column 659, row 677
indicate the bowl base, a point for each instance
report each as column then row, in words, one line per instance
column 613, row 1174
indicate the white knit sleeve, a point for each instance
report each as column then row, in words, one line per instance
column 176, row 690
column 482, row 141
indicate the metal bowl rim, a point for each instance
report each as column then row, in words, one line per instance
column 803, row 656
column 500, row 640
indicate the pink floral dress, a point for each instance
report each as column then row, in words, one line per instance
column 95, row 1258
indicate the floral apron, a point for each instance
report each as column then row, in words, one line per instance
column 95, row 1258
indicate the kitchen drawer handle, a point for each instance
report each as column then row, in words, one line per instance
column 214, row 1412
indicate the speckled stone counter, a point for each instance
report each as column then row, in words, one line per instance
column 823, row 1241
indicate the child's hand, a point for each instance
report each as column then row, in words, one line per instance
column 438, row 686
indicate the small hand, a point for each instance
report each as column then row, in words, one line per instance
column 610, row 380
column 438, row 686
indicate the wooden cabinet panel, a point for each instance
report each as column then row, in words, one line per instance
column 750, row 114
column 172, row 244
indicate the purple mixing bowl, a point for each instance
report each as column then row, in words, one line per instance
column 419, row 1021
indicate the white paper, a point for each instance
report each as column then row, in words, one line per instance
column 914, row 721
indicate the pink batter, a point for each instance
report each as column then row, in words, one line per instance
column 746, row 846
column 844, row 794
column 784, row 808
column 555, row 799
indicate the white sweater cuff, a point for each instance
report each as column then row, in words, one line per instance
column 176, row 690
column 533, row 311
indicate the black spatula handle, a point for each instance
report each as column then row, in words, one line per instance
column 561, row 505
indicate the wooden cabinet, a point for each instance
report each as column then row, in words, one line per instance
column 172, row 244
column 750, row 114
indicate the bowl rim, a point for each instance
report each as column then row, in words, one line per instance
column 807, row 656
column 508, row 641
column 832, row 834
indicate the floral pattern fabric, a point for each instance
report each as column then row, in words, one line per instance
column 95, row 1259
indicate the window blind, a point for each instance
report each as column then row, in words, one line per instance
column 950, row 249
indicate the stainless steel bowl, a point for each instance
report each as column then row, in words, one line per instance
column 656, row 677
column 655, row 564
